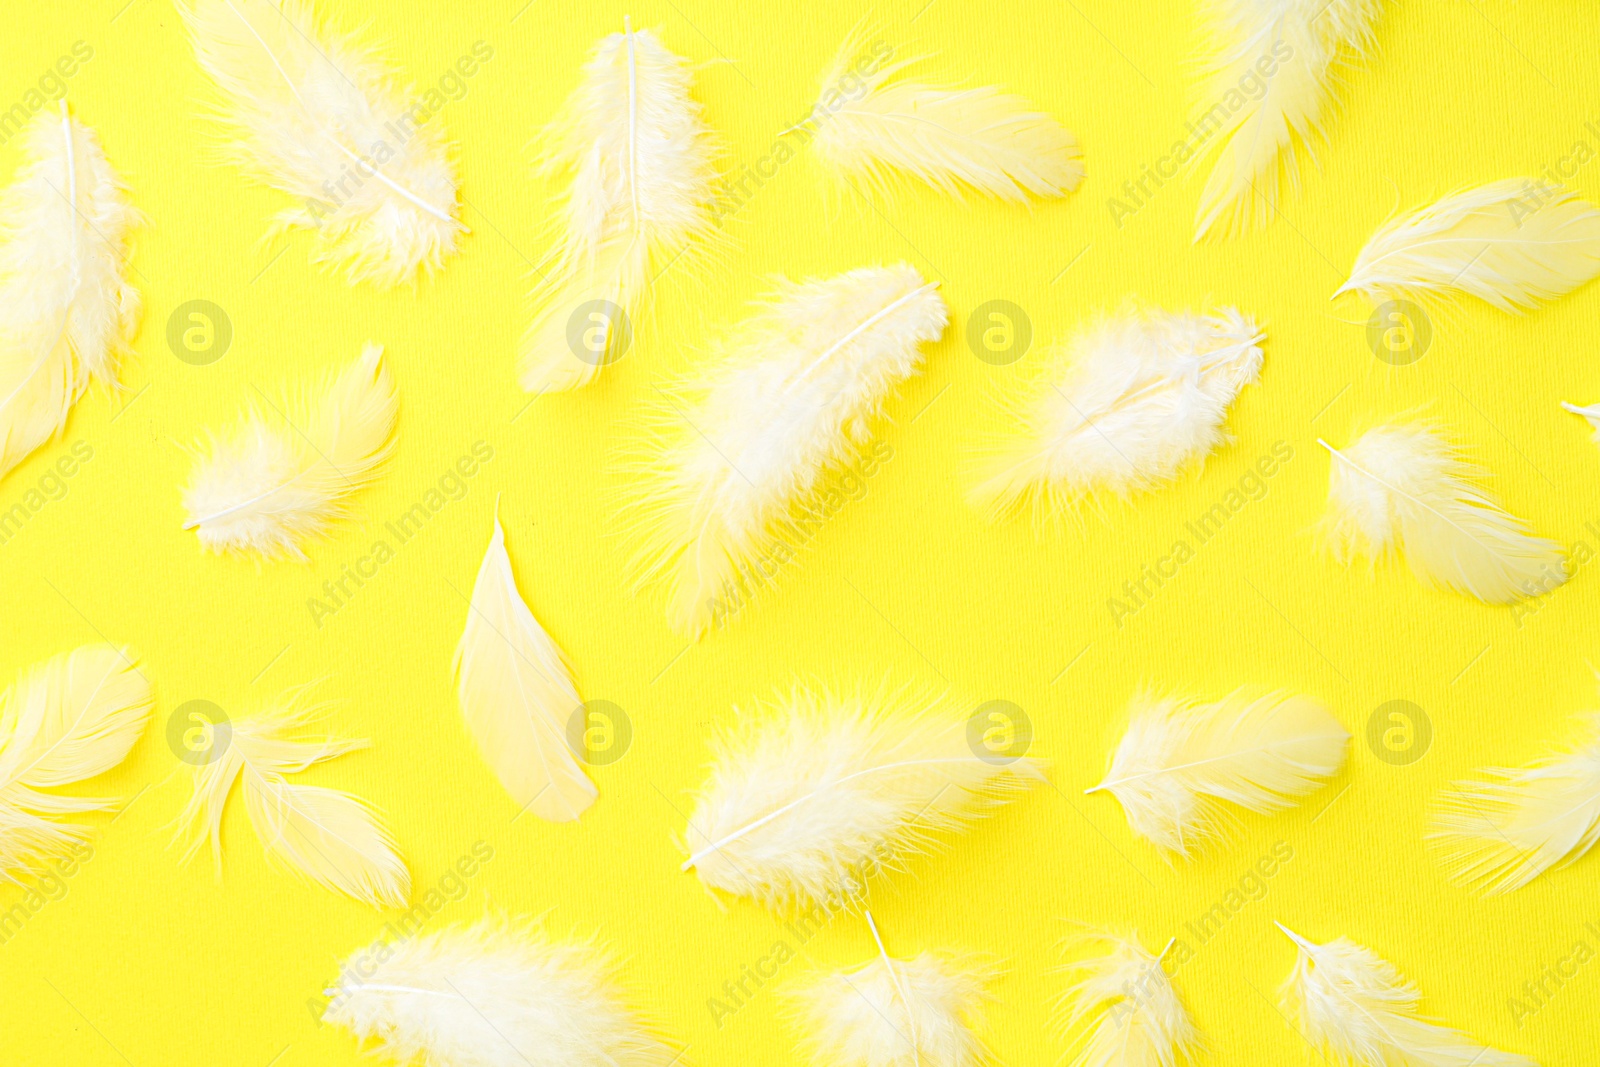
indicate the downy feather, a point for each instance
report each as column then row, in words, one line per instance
column 1125, row 1011
column 67, row 313
column 497, row 994
column 319, row 117
column 273, row 482
column 1403, row 489
column 65, row 720
column 640, row 160
column 1514, row 244
column 1353, row 1003
column 1129, row 403
column 818, row 793
column 749, row 445
column 516, row 694
column 1179, row 762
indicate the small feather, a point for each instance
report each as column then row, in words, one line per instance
column 1590, row 414
column 1124, row 1011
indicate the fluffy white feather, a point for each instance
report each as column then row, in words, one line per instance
column 1404, row 489
column 816, row 794
column 516, row 694
column 1292, row 49
column 332, row 838
column 1356, row 1005
column 1590, row 414
column 640, row 159
column 276, row 480
column 63, row 721
column 1510, row 243
column 320, row 118
column 67, row 313
column 1180, row 761
column 751, row 443
column 498, row 994
column 1130, row 402
column 1124, row 1011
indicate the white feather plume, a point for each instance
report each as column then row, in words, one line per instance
column 276, row 480
column 1130, row 402
column 1513, row 244
column 1404, row 489
column 320, row 118
column 640, row 160
column 1124, row 1010
column 1292, row 49
column 792, row 399
column 498, row 994
column 67, row 313
column 516, row 694
column 330, row 837
column 1353, row 1003
column 65, row 720
column 816, row 794
column 1590, row 414
column 1180, row 761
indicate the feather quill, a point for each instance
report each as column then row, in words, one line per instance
column 1513, row 244
column 264, row 488
column 516, row 694
column 1125, row 406
column 1180, row 761
column 68, row 719
column 821, row 791
column 1124, row 1009
column 640, row 160
column 67, row 313
column 1404, row 489
column 1352, row 1002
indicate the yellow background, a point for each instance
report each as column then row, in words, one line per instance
column 147, row 962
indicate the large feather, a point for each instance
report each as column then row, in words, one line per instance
column 815, row 795
column 640, row 160
column 1180, row 761
column 276, row 480
column 752, row 442
column 1356, row 1005
column 1403, row 488
column 1292, row 49
column 516, row 694
column 496, row 994
column 66, row 311
column 1510, row 243
column 67, row 719
column 1124, row 1009
column 1126, row 406
column 320, row 118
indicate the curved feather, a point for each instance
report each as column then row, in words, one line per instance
column 516, row 694
column 1180, row 761
column 1514, row 244
column 1404, row 489
column 272, row 483
column 1124, row 1009
column 67, row 313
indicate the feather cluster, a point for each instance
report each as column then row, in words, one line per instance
column 1124, row 1009
column 67, row 312
column 1404, row 489
column 272, row 483
column 1180, row 761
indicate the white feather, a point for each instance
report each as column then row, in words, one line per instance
column 332, row 838
column 1404, row 489
column 1353, row 1003
column 276, row 480
column 640, row 160
column 320, row 118
column 516, row 694
column 496, row 994
column 1293, row 48
column 1124, row 1009
column 791, row 400
column 1180, row 761
column 1508, row 243
column 67, row 313
column 1130, row 402
column 67, row 719
column 813, row 796
column 1590, row 414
